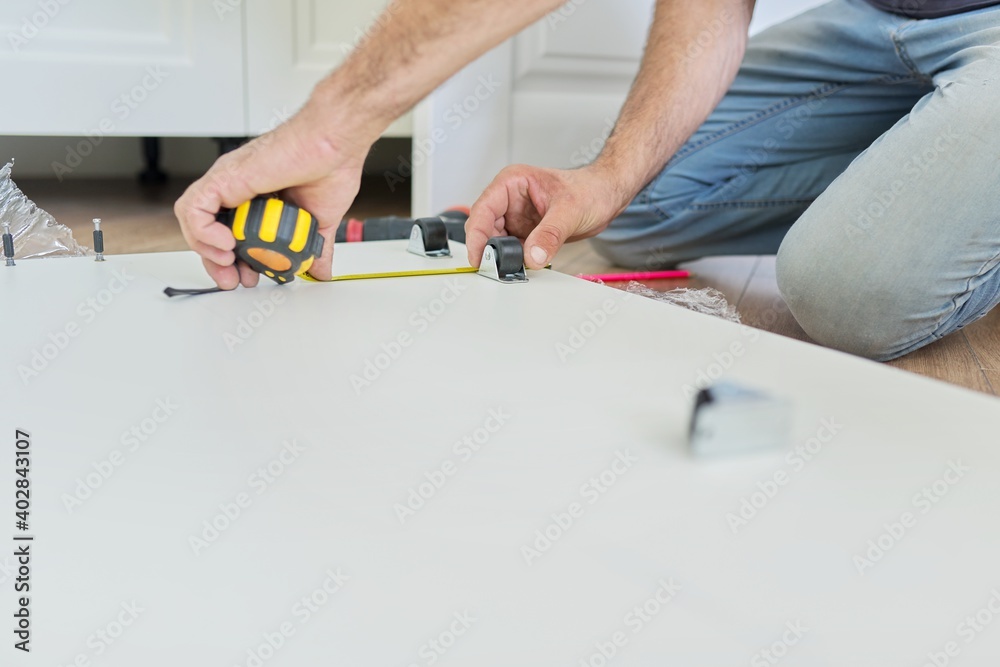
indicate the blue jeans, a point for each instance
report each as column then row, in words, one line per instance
column 863, row 148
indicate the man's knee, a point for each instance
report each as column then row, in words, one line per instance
column 839, row 310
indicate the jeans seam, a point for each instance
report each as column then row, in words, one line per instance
column 753, row 203
column 904, row 55
column 737, row 204
column 940, row 331
column 824, row 91
column 992, row 263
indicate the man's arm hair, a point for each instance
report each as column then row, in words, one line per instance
column 413, row 47
column 693, row 53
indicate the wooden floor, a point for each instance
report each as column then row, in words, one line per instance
column 141, row 220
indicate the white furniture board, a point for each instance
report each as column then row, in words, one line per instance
column 381, row 257
column 493, row 348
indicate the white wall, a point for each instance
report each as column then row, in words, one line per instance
column 769, row 12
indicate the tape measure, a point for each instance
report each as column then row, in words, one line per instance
column 274, row 238
column 281, row 241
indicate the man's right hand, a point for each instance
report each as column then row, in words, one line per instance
column 545, row 208
column 310, row 168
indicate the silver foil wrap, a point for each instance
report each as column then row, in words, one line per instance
column 35, row 232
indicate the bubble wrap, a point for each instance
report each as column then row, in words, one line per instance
column 35, row 232
column 707, row 301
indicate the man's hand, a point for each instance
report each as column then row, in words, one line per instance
column 315, row 159
column 545, row 208
column 672, row 95
column 318, row 172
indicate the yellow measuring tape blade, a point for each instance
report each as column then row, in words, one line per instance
column 394, row 274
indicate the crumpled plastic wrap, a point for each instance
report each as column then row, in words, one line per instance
column 35, row 232
column 707, row 301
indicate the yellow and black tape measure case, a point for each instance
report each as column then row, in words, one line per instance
column 275, row 238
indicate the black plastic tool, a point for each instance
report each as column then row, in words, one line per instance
column 394, row 228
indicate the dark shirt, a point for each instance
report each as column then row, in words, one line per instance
column 930, row 9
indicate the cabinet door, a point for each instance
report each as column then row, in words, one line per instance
column 121, row 67
column 292, row 44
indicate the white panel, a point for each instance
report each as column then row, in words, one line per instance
column 295, row 43
column 544, row 138
column 599, row 41
column 461, row 134
column 90, row 35
column 599, row 29
column 115, row 67
column 212, row 460
column 769, row 12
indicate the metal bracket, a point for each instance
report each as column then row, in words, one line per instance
column 429, row 238
column 503, row 260
column 730, row 419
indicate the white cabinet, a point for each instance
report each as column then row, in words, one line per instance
column 572, row 72
column 292, row 44
column 120, row 67
column 170, row 67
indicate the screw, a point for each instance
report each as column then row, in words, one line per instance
column 8, row 244
column 98, row 241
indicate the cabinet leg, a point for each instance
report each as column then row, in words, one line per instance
column 227, row 144
column 152, row 174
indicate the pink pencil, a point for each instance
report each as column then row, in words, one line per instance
column 638, row 275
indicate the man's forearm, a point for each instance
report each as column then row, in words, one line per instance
column 693, row 53
column 414, row 46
